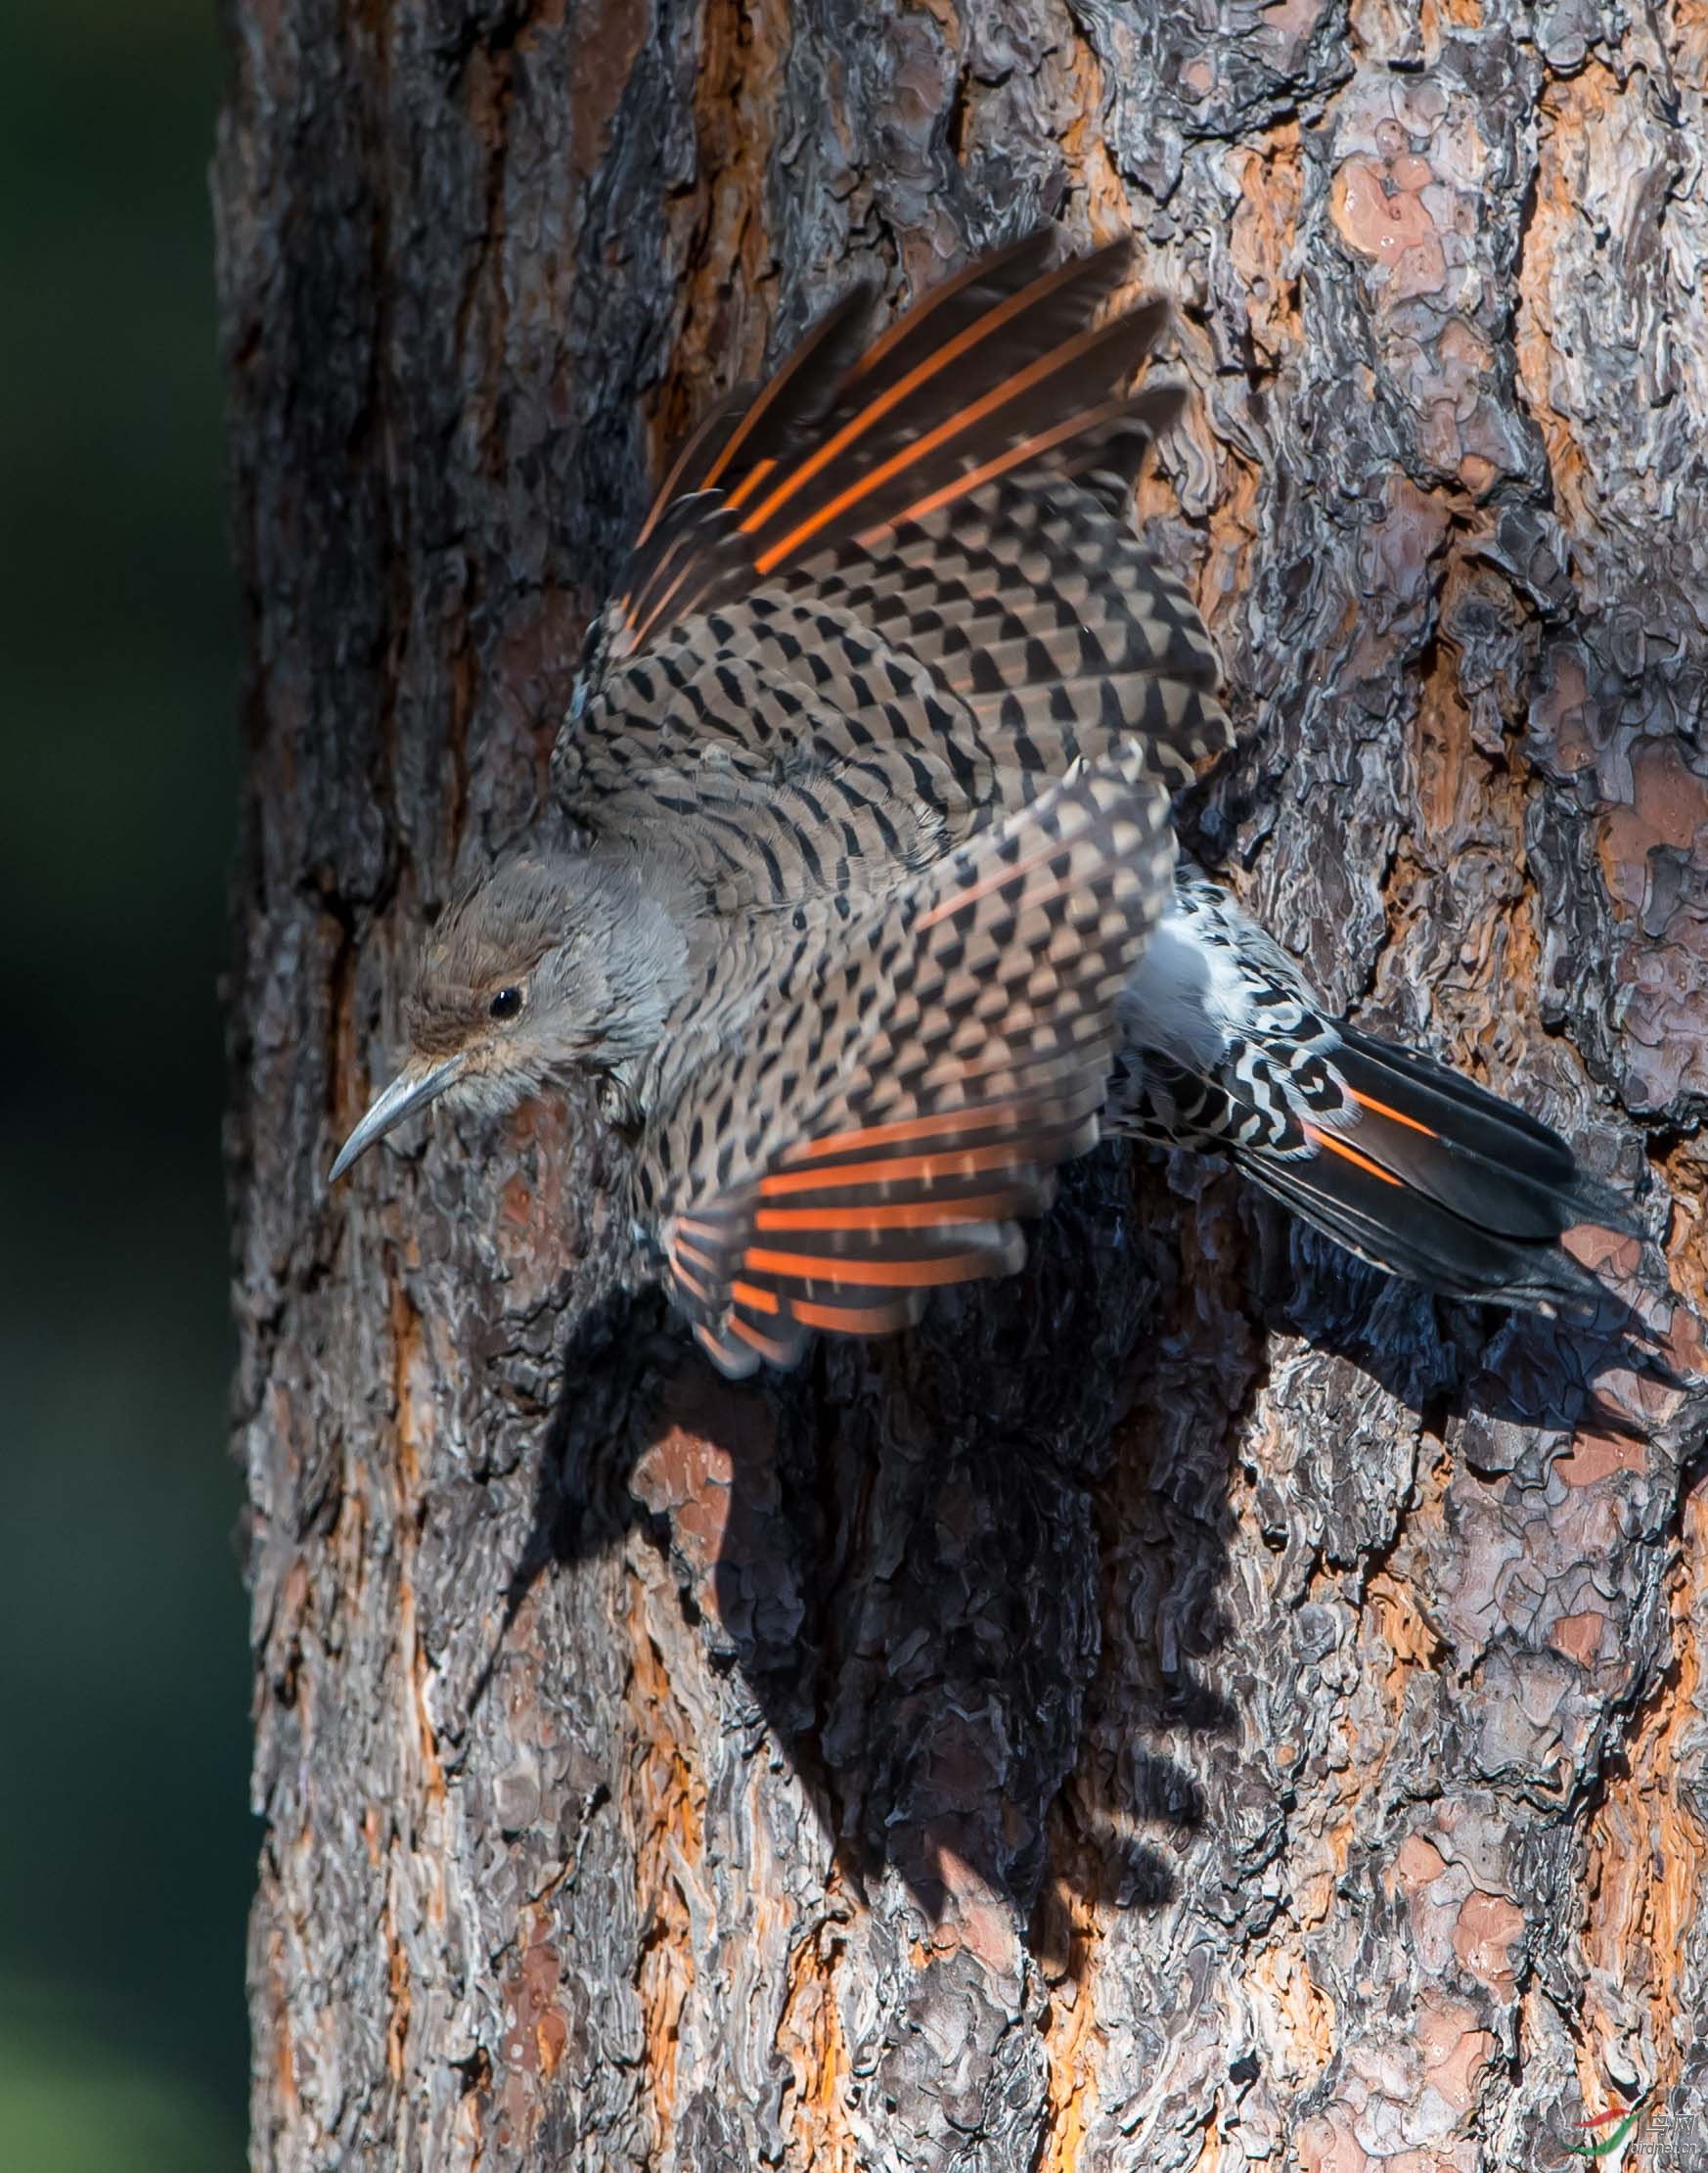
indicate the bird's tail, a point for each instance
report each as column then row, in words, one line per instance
column 1441, row 1181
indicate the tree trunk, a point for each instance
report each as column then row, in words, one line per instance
column 1198, row 1704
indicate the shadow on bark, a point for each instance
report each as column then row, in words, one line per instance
column 1510, row 1377
column 897, row 1550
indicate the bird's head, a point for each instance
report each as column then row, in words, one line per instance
column 555, row 962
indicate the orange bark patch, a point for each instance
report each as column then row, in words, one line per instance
column 611, row 32
column 1069, row 2046
column 712, row 1472
column 1444, row 749
column 975, row 1920
column 1596, row 1456
column 668, row 1799
column 1668, row 809
column 550, row 2036
column 689, row 1476
column 810, row 2038
column 529, row 1231
column 398, row 2025
column 1285, row 28
column 1389, row 224
column 1084, row 150
column 1402, row 1628
column 535, row 2032
column 1471, row 807
column 1263, row 237
column 1065, row 1937
column 1418, row 1863
column 1412, row 220
column 1570, row 108
column 1691, row 53
column 1455, row 2050
column 279, row 2014
column 1579, row 1636
column 1301, row 2014
column 1326, row 2143
column 721, row 240
column 1485, row 1931
column 1561, row 715
column 413, row 1422
column 1647, row 1865
column 409, row 1412
column 1221, row 586
column 1209, row 2158
column 1685, row 1172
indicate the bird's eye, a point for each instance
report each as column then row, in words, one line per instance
column 506, row 1004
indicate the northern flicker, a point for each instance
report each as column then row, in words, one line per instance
column 864, row 905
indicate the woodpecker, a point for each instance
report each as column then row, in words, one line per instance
column 860, row 896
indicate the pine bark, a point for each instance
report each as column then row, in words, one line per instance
column 1198, row 1704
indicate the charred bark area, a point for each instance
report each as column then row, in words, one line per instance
column 1198, row 1704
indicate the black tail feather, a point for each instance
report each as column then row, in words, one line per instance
column 1443, row 1182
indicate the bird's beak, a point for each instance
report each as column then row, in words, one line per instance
column 416, row 1084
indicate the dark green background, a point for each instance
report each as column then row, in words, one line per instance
column 125, row 1843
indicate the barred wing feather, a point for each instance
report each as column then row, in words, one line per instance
column 920, row 573
column 904, row 1097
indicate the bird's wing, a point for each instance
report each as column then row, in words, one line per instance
column 915, row 578
column 875, row 1125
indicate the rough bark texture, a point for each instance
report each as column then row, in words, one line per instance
column 1199, row 1705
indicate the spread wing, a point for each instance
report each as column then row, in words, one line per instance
column 909, row 1083
column 908, row 582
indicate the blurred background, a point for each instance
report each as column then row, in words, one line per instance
column 126, row 1840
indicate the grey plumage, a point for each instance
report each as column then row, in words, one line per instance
column 874, row 920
